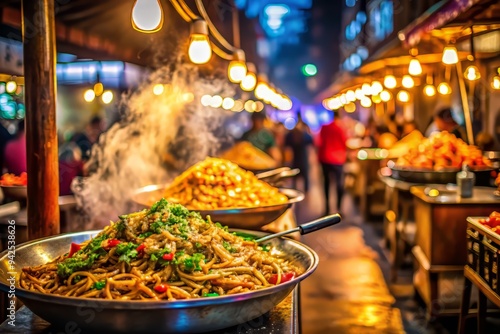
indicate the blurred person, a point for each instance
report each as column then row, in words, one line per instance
column 261, row 137
column 332, row 154
column 70, row 165
column 445, row 122
column 408, row 127
column 298, row 140
column 89, row 137
column 15, row 152
column 5, row 137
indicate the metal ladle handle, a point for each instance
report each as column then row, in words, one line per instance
column 307, row 227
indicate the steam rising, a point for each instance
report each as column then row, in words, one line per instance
column 158, row 137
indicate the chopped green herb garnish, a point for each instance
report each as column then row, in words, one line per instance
column 229, row 247
column 127, row 251
column 145, row 235
column 99, row 285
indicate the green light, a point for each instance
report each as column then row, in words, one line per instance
column 309, row 70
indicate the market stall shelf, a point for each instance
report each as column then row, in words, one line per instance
column 440, row 242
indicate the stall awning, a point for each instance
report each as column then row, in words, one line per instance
column 436, row 17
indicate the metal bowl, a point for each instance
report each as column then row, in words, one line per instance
column 248, row 218
column 182, row 316
column 428, row 176
column 17, row 192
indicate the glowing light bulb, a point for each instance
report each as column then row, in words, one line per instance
column 285, row 104
column 366, row 88
column 259, row 106
column 10, row 87
column 430, row 90
column 407, row 81
column 98, row 88
column 376, row 99
column 472, row 73
column 415, row 68
column 200, row 50
column 359, row 94
column 385, row 95
column 147, row 16
column 206, row 100
column 228, row 103
column 107, row 97
column 249, row 82
column 403, row 96
column 376, row 88
column 444, row 88
column 249, row 106
column 450, row 55
column 350, row 95
column 343, row 99
column 495, row 83
column 350, row 107
column 89, row 95
column 366, row 102
column 390, row 81
column 158, row 89
column 216, row 101
column 237, row 68
column 261, row 90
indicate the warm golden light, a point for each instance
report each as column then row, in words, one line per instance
column 366, row 88
column 376, row 99
column 472, row 73
column 415, row 68
column 390, row 81
column 188, row 97
column 285, row 104
column 98, row 88
column 350, row 107
column 10, row 87
column 237, row 69
column 343, row 99
column 238, row 106
column 227, row 103
column 249, row 82
column 200, row 50
column 430, row 90
column 216, row 101
column 350, row 96
column 407, row 81
column 450, row 55
column 89, row 95
column 359, row 94
column 261, row 90
column 334, row 103
column 366, row 102
column 259, row 106
column 376, row 88
column 206, row 100
column 444, row 88
column 385, row 95
column 147, row 16
column 107, row 97
column 403, row 96
column 495, row 83
column 249, row 106
column 158, row 89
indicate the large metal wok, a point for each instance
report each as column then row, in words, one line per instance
column 182, row 316
column 428, row 176
column 248, row 218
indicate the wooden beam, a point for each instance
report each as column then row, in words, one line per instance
column 39, row 40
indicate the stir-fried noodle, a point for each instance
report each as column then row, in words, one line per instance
column 166, row 252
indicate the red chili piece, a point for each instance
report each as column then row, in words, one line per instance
column 112, row 243
column 140, row 248
column 161, row 288
column 73, row 249
column 284, row 277
column 168, row 257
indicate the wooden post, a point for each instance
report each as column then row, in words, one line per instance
column 41, row 133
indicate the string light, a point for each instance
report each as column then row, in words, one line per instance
column 107, row 97
column 89, row 95
column 414, row 68
column 444, row 88
column 147, row 16
column 206, row 100
column 350, row 96
column 430, row 90
column 366, row 89
column 403, row 96
column 472, row 73
column 450, row 55
column 390, row 81
column 216, row 101
column 98, row 88
column 376, row 87
column 200, row 50
column 359, row 94
column 350, row 107
column 228, row 103
column 158, row 89
column 385, row 95
column 366, row 102
column 237, row 68
column 495, row 83
column 250, row 81
column 11, row 86
column 407, row 81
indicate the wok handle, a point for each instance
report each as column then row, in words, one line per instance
column 320, row 223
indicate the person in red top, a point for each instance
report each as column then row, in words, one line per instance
column 15, row 152
column 332, row 154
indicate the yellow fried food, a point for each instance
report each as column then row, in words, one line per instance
column 217, row 183
column 440, row 151
column 246, row 155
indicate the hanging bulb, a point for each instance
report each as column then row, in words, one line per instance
column 107, row 97
column 495, row 83
column 385, row 95
column 450, row 55
column 11, row 86
column 403, row 96
column 430, row 90
column 248, row 83
column 147, row 16
column 376, row 88
column 407, row 81
column 89, row 95
column 366, row 88
column 261, row 90
column 350, row 95
column 390, row 81
column 415, row 68
column 444, row 88
column 366, row 102
column 237, row 69
column 200, row 50
column 98, row 88
column 472, row 73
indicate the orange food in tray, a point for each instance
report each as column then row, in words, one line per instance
column 10, row 180
column 493, row 221
column 442, row 151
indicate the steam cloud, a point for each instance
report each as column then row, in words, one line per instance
column 135, row 152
